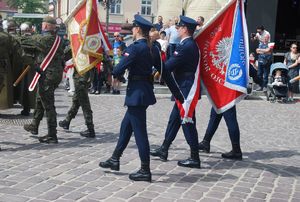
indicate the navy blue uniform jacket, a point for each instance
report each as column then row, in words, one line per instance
column 183, row 64
column 137, row 59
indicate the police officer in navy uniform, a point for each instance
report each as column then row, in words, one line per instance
column 137, row 59
column 183, row 64
column 233, row 129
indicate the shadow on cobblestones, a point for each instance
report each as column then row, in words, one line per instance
column 14, row 116
column 260, row 155
column 183, row 178
column 276, row 169
column 64, row 142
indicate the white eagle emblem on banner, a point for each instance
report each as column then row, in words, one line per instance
column 221, row 54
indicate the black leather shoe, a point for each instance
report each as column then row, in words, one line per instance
column 204, row 146
column 31, row 128
column 90, row 133
column 112, row 163
column 141, row 175
column 64, row 124
column 161, row 152
column 233, row 155
column 97, row 92
column 92, row 92
column 48, row 139
column 190, row 163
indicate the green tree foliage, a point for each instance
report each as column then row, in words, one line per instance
column 29, row 6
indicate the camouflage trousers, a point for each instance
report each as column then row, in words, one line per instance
column 45, row 102
column 81, row 99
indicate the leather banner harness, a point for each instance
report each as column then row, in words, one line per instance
column 45, row 63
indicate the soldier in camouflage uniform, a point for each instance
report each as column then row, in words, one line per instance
column 10, row 57
column 48, row 82
column 27, row 99
column 80, row 98
column 11, row 29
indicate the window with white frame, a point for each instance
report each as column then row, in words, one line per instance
column 146, row 7
column 115, row 6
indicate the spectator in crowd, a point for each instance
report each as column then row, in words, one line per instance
column 70, row 86
column 166, row 26
column 173, row 37
column 262, row 35
column 154, row 37
column 159, row 25
column 106, row 74
column 291, row 59
column 264, row 63
column 97, row 81
column 253, row 67
column 118, row 43
column 163, row 43
column 277, row 78
column 200, row 21
column 116, row 82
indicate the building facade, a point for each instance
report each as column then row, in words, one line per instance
column 5, row 10
column 121, row 11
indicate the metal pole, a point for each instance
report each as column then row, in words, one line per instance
column 107, row 15
column 152, row 18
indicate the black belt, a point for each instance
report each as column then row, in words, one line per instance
column 141, row 78
column 184, row 75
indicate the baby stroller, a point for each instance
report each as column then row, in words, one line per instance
column 278, row 92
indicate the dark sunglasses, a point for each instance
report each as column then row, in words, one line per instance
column 117, row 36
column 294, row 47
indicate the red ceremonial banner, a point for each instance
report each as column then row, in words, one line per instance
column 215, row 43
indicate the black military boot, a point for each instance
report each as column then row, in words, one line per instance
column 161, row 152
column 64, row 124
column 143, row 174
column 204, row 146
column 193, row 162
column 235, row 153
column 113, row 162
column 90, row 132
column 51, row 138
column 48, row 139
column 33, row 128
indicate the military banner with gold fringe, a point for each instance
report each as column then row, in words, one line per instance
column 86, row 36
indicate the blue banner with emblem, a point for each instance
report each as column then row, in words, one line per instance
column 238, row 66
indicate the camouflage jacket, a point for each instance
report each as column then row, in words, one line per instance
column 43, row 44
column 11, row 57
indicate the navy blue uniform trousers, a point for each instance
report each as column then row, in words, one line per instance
column 135, row 121
column 231, row 122
column 189, row 129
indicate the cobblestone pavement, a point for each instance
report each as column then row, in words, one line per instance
column 30, row 171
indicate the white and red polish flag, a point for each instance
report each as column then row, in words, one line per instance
column 223, row 43
column 87, row 38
